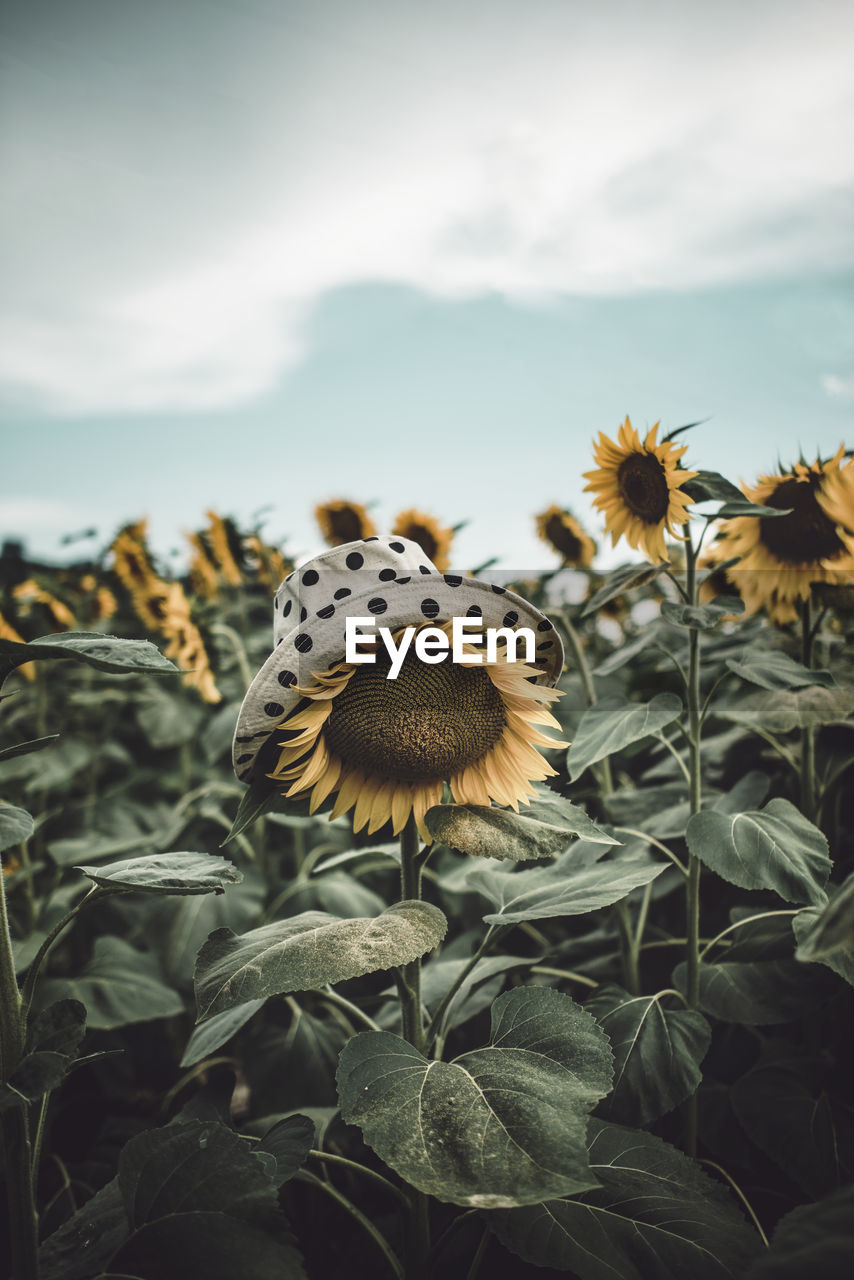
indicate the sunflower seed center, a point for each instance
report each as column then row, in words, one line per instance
column 806, row 535
column 563, row 539
column 642, row 482
column 429, row 723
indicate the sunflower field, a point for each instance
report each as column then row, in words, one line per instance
column 512, row 964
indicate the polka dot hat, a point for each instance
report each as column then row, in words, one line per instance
column 390, row 578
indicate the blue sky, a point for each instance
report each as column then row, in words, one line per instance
column 261, row 254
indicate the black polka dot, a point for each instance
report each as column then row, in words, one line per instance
column 355, row 560
column 510, row 619
column 243, row 776
column 303, row 614
column 286, row 608
column 279, row 641
column 341, row 593
column 422, row 568
column 286, row 679
column 327, row 612
column 310, row 577
column 386, row 575
column 274, row 709
column 276, row 602
column 401, row 582
column 547, row 644
column 303, row 642
column 474, row 611
column 245, row 737
column 396, row 546
column 545, row 625
column 499, row 591
column 244, row 758
column 452, row 579
column 290, row 575
column 373, row 538
column 429, row 608
column 377, row 605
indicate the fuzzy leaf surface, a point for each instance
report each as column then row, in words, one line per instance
column 499, row 833
column 614, row 723
column 172, row 873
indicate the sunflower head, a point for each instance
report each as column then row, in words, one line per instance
column 781, row 557
column 342, row 521
column 386, row 747
column 433, row 539
column 637, row 488
column 561, row 530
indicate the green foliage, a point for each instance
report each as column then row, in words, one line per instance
column 615, row 723
column 496, row 833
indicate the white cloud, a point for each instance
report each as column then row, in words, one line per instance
column 177, row 202
column 838, row 388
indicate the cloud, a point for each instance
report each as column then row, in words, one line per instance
column 185, row 182
column 838, row 388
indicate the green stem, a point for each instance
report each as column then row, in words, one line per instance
column 357, row 1215
column 695, row 804
column 330, row 996
column 763, row 915
column 328, row 1158
column 628, row 949
column 33, row 972
column 23, row 1216
column 808, row 788
column 568, row 975
column 435, row 1027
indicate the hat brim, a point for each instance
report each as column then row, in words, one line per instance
column 317, row 643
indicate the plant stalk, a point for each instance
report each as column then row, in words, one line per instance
column 808, row 787
column 695, row 803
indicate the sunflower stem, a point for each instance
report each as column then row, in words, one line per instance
column 409, row 987
column 692, row 898
column 808, row 788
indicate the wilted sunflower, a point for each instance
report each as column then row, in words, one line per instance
column 561, row 530
column 781, row 557
column 342, row 521
column 387, row 746
column 433, row 539
column 637, row 489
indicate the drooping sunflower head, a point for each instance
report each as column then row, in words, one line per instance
column 433, row 539
column 780, row 557
column 387, row 746
column 561, row 530
column 637, row 488
column 342, row 521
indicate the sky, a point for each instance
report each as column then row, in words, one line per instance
column 261, row 253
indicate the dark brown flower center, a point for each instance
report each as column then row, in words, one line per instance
column 642, row 482
column 346, row 525
column 421, row 534
column 807, row 535
column 563, row 539
column 429, row 723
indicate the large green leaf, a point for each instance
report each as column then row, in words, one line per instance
column 83, row 1246
column 623, row 579
column 309, row 950
column 26, row 748
column 614, row 723
column 53, row 1038
column 756, row 992
column 657, row 1053
column 782, row 710
column 119, row 986
column 702, row 617
column 215, row 1246
column 500, row 833
column 16, row 825
column 107, row 653
column 656, row 1216
column 504, row 1125
column 814, row 1240
column 773, row 669
column 772, row 848
column 580, row 881
column 827, row 933
column 217, row 1031
column 172, row 873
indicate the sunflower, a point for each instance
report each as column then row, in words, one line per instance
column 267, row 562
column 387, row 746
column 225, row 546
column 29, row 593
column 434, row 540
column 637, row 489
column 561, row 530
column 186, row 647
column 342, row 521
column 780, row 558
column 204, row 579
column 8, row 632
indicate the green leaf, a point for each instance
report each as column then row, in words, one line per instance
column 576, row 883
column 813, row 1240
column 499, row 833
column 259, row 798
column 53, row 1038
column 24, row 748
column 656, row 1216
column 499, row 1126
column 83, row 1245
column 757, row 992
column 745, row 508
column 784, row 1113
column 711, row 486
column 614, row 723
column 772, row 669
column 16, row 825
column 309, row 950
column 119, row 986
column 623, row 579
column 218, row 1245
column 782, row 710
column 772, row 848
column 439, row 972
column 166, row 720
column 657, row 1053
column 289, row 1142
column 107, row 653
column 701, row 617
column 217, row 1031
column 826, row 934
column 172, row 873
